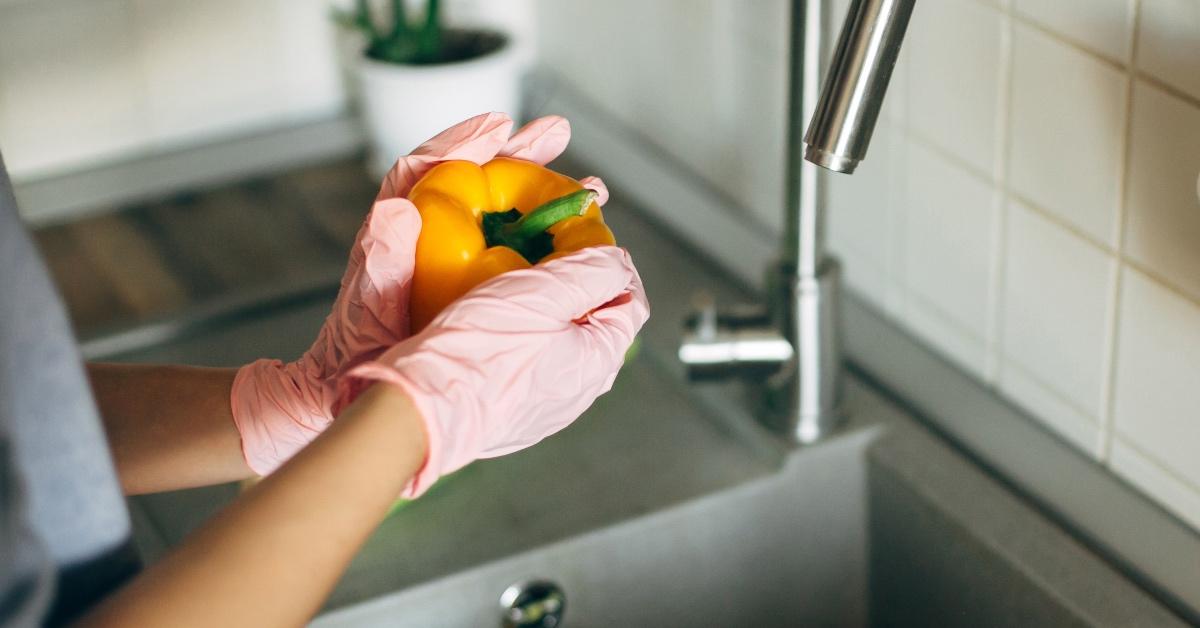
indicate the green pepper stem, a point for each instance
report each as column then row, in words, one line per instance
column 547, row 215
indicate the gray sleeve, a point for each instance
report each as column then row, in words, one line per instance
column 74, row 500
column 26, row 570
column 61, row 501
column 26, row 574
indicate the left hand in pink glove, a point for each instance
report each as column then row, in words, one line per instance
column 516, row 359
column 279, row 408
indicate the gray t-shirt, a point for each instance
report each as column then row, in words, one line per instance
column 64, row 529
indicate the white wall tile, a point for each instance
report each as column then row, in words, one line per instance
column 1056, row 312
column 1068, row 128
column 1163, row 224
column 211, row 67
column 860, row 217
column 3, row 115
column 1059, row 414
column 149, row 74
column 865, row 277
column 954, row 78
column 1173, row 492
column 570, row 51
column 863, row 221
column 748, row 90
column 673, row 99
column 1104, row 26
column 707, row 94
column 666, row 83
column 1169, row 42
column 917, row 227
column 959, row 345
column 762, row 24
column 1157, row 402
column 71, row 90
column 948, row 232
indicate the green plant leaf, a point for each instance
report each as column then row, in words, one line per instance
column 429, row 44
column 400, row 41
column 399, row 21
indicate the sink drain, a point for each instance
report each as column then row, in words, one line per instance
column 532, row 604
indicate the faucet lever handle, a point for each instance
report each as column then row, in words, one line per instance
column 706, row 319
column 740, row 339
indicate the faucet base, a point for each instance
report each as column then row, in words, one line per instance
column 802, row 400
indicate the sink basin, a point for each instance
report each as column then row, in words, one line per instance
column 666, row 505
column 882, row 526
column 785, row 549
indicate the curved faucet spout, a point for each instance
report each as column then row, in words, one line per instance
column 859, row 73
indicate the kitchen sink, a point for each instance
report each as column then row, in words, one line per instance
column 785, row 549
column 884, row 526
column 667, row 505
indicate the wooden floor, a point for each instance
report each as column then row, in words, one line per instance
column 144, row 262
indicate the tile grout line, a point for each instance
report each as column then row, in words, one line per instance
column 1104, row 419
column 934, row 310
column 908, row 134
column 1125, row 261
column 1011, row 194
column 1154, row 461
column 1051, row 391
column 1068, row 40
column 1166, row 87
column 915, row 136
column 962, row 164
column 995, row 317
column 896, row 303
column 1123, row 265
column 912, row 135
column 1064, row 224
column 947, row 338
column 1162, row 282
column 1108, row 387
column 1110, row 362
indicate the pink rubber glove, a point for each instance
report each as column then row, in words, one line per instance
column 516, row 359
column 279, row 408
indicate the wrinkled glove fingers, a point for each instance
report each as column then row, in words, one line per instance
column 614, row 325
column 557, row 292
column 389, row 244
column 541, row 141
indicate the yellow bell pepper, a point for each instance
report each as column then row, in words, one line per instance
column 480, row 221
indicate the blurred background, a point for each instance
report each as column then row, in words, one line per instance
column 1029, row 209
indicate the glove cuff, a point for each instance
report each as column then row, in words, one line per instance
column 275, row 413
column 361, row 377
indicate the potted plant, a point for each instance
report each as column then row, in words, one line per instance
column 416, row 77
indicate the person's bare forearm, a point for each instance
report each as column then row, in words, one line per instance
column 272, row 557
column 169, row 426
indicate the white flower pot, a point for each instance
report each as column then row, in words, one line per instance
column 404, row 105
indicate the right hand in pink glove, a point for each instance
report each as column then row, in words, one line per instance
column 516, row 359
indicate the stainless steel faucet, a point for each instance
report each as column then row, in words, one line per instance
column 793, row 346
